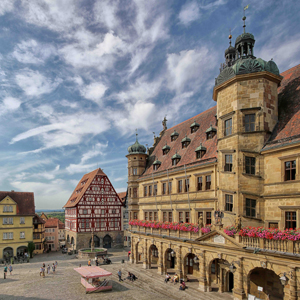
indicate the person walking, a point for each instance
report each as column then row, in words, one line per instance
column 89, row 263
column 56, row 264
column 5, row 271
column 48, row 269
column 44, row 266
column 10, row 269
column 120, row 275
column 41, row 270
column 53, row 268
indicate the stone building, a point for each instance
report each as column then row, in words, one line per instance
column 123, row 197
column 94, row 208
column 52, row 234
column 235, row 164
column 16, row 213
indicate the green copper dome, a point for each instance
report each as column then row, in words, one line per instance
column 136, row 148
column 175, row 133
column 166, row 147
column 244, row 37
column 157, row 162
column 194, row 124
column 185, row 139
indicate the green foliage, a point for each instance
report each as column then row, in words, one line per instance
column 58, row 215
column 31, row 247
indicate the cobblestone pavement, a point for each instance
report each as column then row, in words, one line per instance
column 26, row 283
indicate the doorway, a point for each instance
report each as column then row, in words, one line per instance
column 107, row 240
column 190, row 263
column 230, row 282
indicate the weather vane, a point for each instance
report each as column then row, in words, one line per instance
column 244, row 17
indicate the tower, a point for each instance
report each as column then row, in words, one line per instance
column 137, row 158
column 247, row 112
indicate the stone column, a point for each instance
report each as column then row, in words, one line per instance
column 202, row 279
column 293, row 284
column 132, row 255
column 101, row 242
column 160, row 259
column 145, row 255
column 179, row 262
column 221, row 285
column 238, row 290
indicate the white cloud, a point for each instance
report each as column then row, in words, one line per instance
column 67, row 103
column 65, row 130
column 35, row 84
column 97, row 150
column 189, row 13
column 6, row 6
column 105, row 13
column 189, row 68
column 32, row 52
column 95, row 91
column 9, row 104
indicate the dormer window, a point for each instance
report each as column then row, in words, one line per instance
column 174, row 136
column 194, row 127
column 185, row 142
column 166, row 149
column 156, row 165
column 210, row 132
column 175, row 159
column 200, row 151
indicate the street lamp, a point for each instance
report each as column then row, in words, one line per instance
column 283, row 279
column 172, row 253
column 196, row 260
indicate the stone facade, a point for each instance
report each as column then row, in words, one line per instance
column 245, row 173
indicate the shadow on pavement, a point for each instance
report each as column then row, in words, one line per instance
column 7, row 280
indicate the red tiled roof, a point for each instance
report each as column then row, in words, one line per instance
column 122, row 195
column 24, row 200
column 87, row 178
column 61, row 225
column 288, row 126
column 52, row 222
column 188, row 155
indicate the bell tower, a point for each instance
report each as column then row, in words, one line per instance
column 247, row 112
column 137, row 159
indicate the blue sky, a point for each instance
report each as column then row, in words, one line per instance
column 78, row 77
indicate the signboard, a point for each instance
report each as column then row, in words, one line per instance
column 251, row 297
column 219, row 239
column 260, row 288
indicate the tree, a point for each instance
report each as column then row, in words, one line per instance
column 31, row 247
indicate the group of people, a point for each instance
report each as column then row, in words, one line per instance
column 9, row 268
column 130, row 276
column 43, row 269
column 174, row 280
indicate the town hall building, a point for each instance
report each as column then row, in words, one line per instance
column 192, row 195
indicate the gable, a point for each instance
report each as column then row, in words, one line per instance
column 8, row 201
column 218, row 237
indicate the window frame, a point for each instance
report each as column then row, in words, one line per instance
column 179, row 184
column 199, row 183
column 247, row 207
column 186, row 185
column 290, row 220
column 249, row 122
column 250, row 168
column 227, row 129
column 292, row 170
column 164, row 188
column 228, row 166
column 228, row 202
column 207, row 182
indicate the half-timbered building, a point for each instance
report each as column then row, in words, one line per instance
column 94, row 208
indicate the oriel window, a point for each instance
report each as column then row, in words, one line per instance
column 228, row 127
column 250, row 165
column 250, row 122
column 290, row 170
column 228, row 163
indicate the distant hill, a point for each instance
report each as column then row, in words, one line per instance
column 49, row 210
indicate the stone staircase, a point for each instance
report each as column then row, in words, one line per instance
column 152, row 282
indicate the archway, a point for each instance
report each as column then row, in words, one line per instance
column 21, row 250
column 107, row 240
column 96, row 242
column 217, row 278
column 153, row 257
column 170, row 259
column 189, row 262
column 72, row 240
column 8, row 252
column 230, row 281
column 68, row 239
column 268, row 280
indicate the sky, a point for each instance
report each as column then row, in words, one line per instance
column 79, row 77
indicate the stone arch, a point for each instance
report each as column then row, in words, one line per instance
column 189, row 265
column 21, row 250
column 72, row 240
column 96, row 242
column 153, row 256
column 68, row 239
column 268, row 280
column 216, row 279
column 8, row 252
column 107, row 241
column 229, row 282
column 170, row 259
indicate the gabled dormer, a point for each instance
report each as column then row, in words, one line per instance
column 185, row 142
column 166, row 149
column 175, row 159
column 156, row 164
column 200, row 151
column 194, row 126
column 210, row 132
column 174, row 136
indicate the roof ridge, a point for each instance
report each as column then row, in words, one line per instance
column 289, row 69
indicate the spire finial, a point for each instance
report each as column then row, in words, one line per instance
column 136, row 134
column 230, row 36
column 244, row 17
